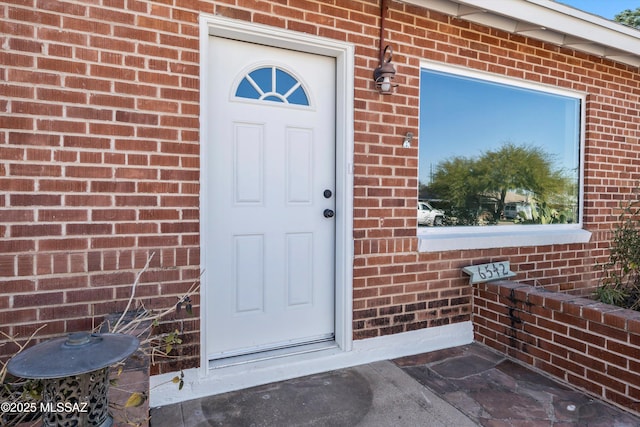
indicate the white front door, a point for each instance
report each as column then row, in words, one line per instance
column 269, row 242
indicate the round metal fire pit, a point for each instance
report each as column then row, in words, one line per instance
column 75, row 375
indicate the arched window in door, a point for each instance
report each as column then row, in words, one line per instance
column 272, row 84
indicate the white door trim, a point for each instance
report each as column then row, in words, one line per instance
column 344, row 54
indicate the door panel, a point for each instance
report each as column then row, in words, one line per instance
column 299, row 159
column 248, row 163
column 249, row 273
column 299, row 266
column 269, row 252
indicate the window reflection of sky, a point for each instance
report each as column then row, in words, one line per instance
column 464, row 116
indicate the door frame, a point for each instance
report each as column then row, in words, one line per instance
column 344, row 55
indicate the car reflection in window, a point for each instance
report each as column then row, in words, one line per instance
column 429, row 216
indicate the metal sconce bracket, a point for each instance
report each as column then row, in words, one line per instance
column 407, row 140
column 385, row 73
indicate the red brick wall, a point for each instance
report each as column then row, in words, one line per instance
column 100, row 161
column 397, row 289
column 99, row 140
column 590, row 345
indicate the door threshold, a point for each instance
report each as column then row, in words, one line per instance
column 271, row 354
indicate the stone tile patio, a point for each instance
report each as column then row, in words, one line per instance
column 462, row 386
column 495, row 391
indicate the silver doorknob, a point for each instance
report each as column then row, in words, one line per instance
column 328, row 213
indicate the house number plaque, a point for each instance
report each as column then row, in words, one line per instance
column 487, row 272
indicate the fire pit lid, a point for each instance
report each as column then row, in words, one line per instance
column 78, row 353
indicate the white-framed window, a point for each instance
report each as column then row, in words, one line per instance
column 500, row 161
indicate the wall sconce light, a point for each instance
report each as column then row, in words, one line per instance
column 385, row 73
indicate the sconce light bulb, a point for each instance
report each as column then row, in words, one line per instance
column 386, row 84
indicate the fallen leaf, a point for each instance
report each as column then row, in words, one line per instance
column 136, row 399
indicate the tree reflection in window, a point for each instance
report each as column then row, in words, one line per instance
column 496, row 153
column 272, row 84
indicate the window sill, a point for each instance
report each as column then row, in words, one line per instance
column 448, row 239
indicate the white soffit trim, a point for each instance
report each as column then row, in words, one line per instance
column 548, row 21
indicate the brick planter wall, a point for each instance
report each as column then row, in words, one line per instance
column 590, row 345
